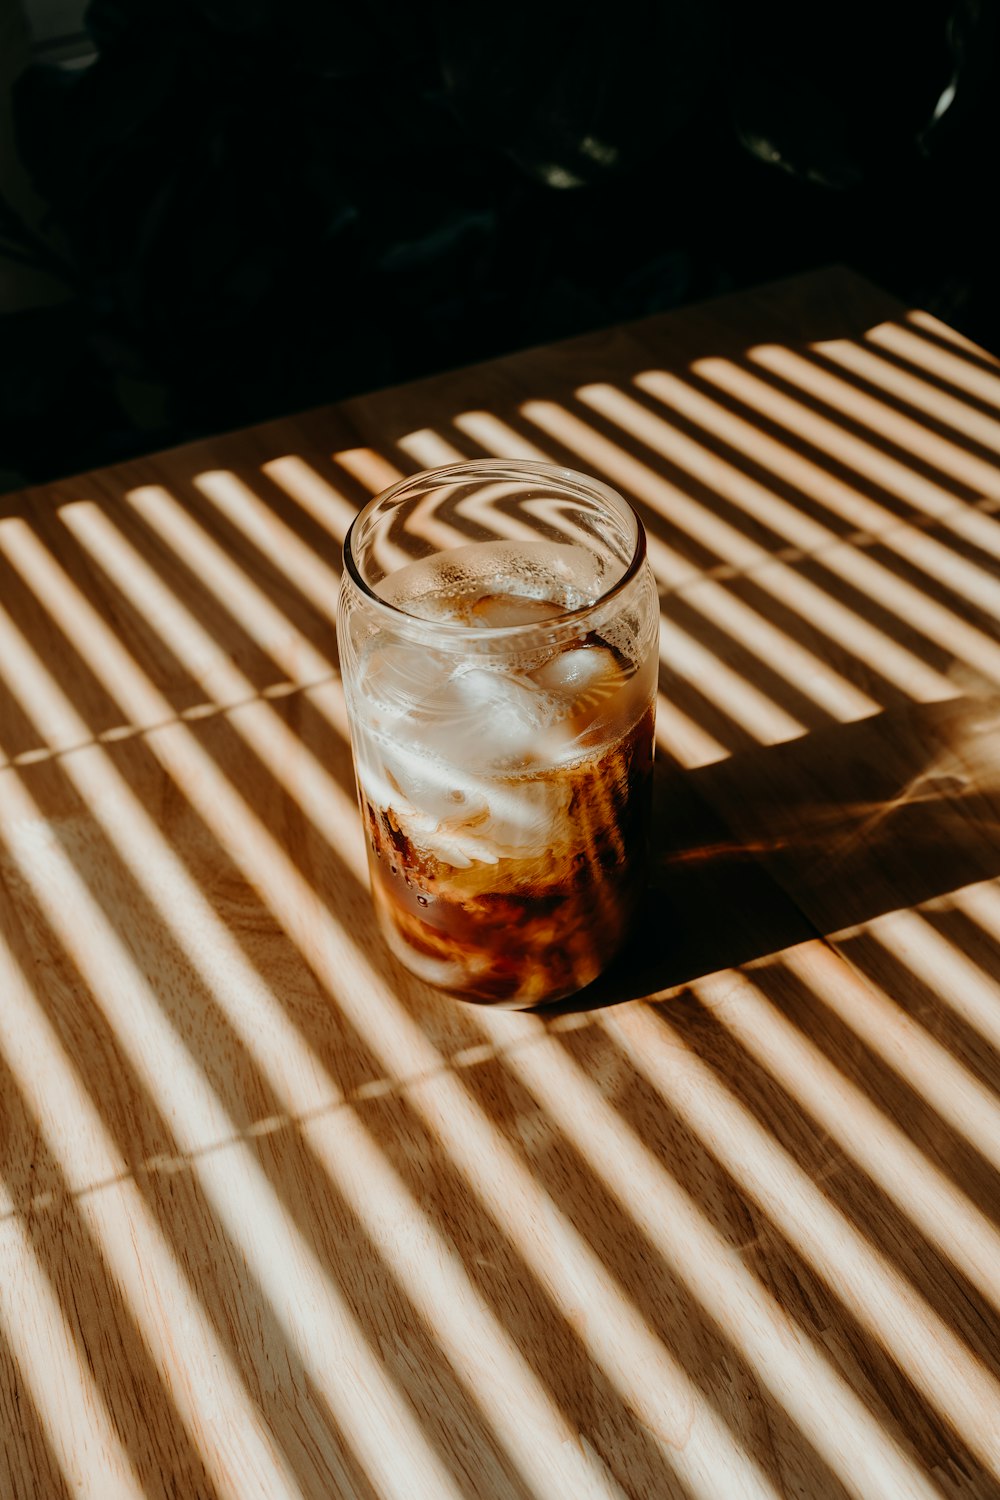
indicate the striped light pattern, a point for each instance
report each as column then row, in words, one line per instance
column 822, row 528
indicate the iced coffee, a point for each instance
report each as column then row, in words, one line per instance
column 501, row 695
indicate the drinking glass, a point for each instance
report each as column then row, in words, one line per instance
column 498, row 637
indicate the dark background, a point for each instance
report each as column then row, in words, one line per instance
column 253, row 206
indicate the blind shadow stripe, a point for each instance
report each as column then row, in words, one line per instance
column 881, row 377
column 789, row 1364
column 162, row 883
column 763, row 392
column 964, row 1104
column 865, row 1132
column 121, row 1262
column 200, row 940
column 844, row 626
column 927, row 347
column 921, row 954
column 932, row 558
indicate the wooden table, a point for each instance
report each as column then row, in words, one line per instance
column 277, row 1220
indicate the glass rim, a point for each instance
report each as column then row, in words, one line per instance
column 500, row 468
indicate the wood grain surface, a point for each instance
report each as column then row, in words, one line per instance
column 277, row 1220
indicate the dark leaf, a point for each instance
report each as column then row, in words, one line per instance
column 971, row 33
column 840, row 95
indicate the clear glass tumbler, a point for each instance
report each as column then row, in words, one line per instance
column 498, row 640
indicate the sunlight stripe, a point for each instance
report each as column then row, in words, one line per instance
column 429, row 449
column 865, row 1458
column 67, row 1400
column 737, row 698
column 918, row 610
column 869, row 1136
column 927, row 354
column 314, row 1318
column 810, row 675
column 339, row 960
column 439, row 1287
column 920, row 494
column 971, row 379
column 308, row 783
column 930, row 399
column 316, row 578
column 210, row 1400
column 793, row 591
column 496, row 436
column 916, row 1338
column 913, row 437
column 244, row 1200
column 918, row 318
column 910, row 1051
column 317, row 496
column 960, row 983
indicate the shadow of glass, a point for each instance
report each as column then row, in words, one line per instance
column 787, row 842
column 872, row 816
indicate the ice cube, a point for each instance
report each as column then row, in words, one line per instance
column 396, row 677
column 525, row 816
column 500, row 610
column 518, row 820
column 578, row 682
column 580, row 671
column 455, row 846
column 488, row 822
column 442, row 789
column 492, row 719
column 436, row 764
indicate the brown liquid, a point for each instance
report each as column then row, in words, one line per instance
column 525, row 930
